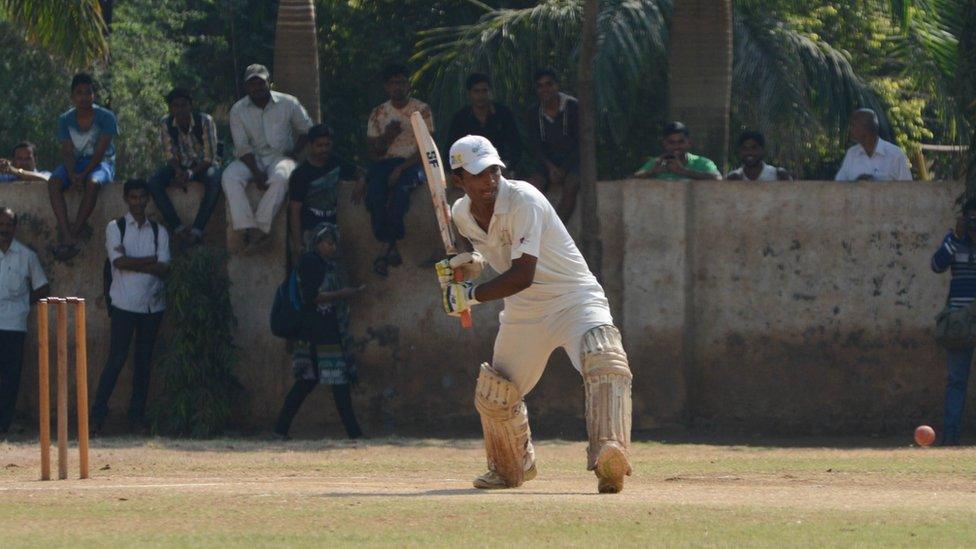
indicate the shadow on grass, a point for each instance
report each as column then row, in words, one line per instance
column 449, row 492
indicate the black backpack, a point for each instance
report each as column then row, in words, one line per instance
column 286, row 310
column 107, row 267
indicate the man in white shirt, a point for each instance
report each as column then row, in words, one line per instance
column 873, row 158
column 752, row 152
column 551, row 300
column 22, row 282
column 138, row 250
column 269, row 130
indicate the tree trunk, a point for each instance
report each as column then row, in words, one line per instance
column 700, row 65
column 592, row 246
column 296, row 55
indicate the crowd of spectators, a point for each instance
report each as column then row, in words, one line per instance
column 271, row 131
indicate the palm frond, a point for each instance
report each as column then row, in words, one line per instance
column 510, row 44
column 71, row 29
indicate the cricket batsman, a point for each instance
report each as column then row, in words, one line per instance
column 551, row 300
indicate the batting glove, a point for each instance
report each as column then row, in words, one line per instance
column 471, row 264
column 459, row 297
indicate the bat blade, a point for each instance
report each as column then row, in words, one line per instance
column 437, row 184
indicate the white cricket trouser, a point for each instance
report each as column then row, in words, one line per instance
column 522, row 347
column 235, row 180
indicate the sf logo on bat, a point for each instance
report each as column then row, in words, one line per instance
column 432, row 159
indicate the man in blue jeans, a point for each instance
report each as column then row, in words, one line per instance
column 396, row 168
column 958, row 254
column 189, row 141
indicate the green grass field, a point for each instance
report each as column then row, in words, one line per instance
column 417, row 492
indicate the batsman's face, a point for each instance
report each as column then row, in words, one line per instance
column 481, row 188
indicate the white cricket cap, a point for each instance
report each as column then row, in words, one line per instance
column 474, row 153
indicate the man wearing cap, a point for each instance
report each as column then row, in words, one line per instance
column 551, row 300
column 269, row 130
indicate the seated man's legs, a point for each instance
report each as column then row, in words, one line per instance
column 102, row 175
column 377, row 196
column 400, row 200
column 211, row 194
column 157, row 187
column 234, row 181
column 279, row 170
column 567, row 199
column 56, row 186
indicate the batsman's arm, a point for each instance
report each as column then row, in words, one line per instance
column 514, row 280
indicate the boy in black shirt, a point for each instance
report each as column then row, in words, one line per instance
column 313, row 187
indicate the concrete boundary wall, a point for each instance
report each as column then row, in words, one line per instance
column 759, row 307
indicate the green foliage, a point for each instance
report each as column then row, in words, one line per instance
column 36, row 87
column 199, row 384
column 74, row 30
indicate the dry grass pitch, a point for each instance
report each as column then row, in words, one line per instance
column 417, row 492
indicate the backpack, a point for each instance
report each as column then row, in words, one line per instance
column 107, row 267
column 286, row 310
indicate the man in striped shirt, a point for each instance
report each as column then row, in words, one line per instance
column 189, row 141
column 958, row 255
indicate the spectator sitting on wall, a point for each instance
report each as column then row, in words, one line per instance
column 676, row 162
column 956, row 254
column 488, row 119
column 22, row 282
column 752, row 151
column 23, row 166
column 313, row 188
column 189, row 140
column 396, row 168
column 553, row 128
column 872, row 158
column 321, row 356
column 86, row 132
column 269, row 131
column 138, row 250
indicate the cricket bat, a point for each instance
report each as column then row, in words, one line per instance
column 437, row 183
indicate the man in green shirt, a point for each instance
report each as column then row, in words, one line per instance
column 677, row 163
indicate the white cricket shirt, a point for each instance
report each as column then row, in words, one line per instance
column 524, row 222
column 888, row 163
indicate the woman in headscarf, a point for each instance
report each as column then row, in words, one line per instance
column 321, row 355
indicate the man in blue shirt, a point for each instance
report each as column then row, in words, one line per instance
column 86, row 132
column 957, row 254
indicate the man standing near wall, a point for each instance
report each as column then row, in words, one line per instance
column 269, row 130
column 872, row 158
column 553, row 128
column 138, row 250
column 488, row 119
column 551, row 300
column 678, row 162
column 22, row 282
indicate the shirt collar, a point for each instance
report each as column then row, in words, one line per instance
column 129, row 220
column 273, row 99
column 15, row 248
column 881, row 149
column 503, row 202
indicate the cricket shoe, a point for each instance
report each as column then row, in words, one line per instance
column 493, row 481
column 611, row 467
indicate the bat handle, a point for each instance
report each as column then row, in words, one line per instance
column 465, row 315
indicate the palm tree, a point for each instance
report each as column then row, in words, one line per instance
column 74, row 31
column 296, row 54
column 795, row 84
column 589, row 219
column 700, row 73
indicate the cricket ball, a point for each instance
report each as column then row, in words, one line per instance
column 924, row 435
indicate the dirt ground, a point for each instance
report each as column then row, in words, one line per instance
column 418, row 492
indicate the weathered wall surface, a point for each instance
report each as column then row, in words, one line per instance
column 788, row 307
